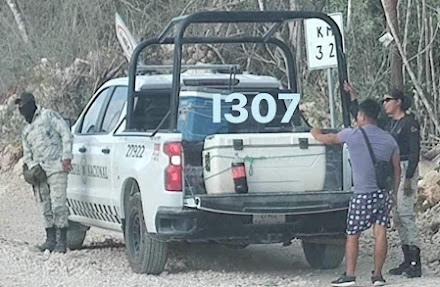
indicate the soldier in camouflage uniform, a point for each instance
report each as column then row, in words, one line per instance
column 47, row 146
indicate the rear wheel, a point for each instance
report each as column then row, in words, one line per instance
column 146, row 254
column 323, row 255
column 76, row 233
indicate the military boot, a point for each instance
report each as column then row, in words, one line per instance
column 405, row 264
column 51, row 240
column 415, row 267
column 61, row 246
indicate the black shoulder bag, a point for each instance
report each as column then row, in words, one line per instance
column 384, row 169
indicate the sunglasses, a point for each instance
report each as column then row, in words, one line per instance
column 388, row 99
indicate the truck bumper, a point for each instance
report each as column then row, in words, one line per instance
column 304, row 215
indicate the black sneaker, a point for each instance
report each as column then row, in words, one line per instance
column 378, row 280
column 344, row 280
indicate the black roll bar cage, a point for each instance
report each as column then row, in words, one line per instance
column 276, row 17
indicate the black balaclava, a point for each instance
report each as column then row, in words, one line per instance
column 28, row 111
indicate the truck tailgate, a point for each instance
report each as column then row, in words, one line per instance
column 271, row 203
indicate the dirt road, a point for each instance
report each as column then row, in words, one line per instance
column 102, row 261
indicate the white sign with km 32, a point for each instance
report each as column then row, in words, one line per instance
column 321, row 47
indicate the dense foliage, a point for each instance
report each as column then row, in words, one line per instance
column 61, row 32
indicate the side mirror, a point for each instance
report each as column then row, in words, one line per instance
column 69, row 122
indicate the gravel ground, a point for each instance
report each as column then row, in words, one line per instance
column 102, row 261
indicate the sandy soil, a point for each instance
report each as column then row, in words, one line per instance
column 102, row 261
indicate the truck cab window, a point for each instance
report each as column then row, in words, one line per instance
column 90, row 119
column 149, row 110
column 297, row 123
column 114, row 109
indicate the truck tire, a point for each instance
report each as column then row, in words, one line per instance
column 76, row 233
column 75, row 239
column 146, row 254
column 322, row 255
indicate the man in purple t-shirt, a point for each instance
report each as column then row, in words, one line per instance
column 369, row 205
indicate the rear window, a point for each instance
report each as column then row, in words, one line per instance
column 150, row 107
column 195, row 119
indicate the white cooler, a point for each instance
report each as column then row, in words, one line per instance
column 275, row 162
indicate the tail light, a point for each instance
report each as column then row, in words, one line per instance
column 173, row 172
column 238, row 169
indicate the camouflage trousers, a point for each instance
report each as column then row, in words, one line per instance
column 52, row 197
column 403, row 212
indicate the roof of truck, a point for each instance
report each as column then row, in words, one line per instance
column 164, row 81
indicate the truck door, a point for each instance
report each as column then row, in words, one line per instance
column 99, row 165
column 81, row 185
column 102, row 148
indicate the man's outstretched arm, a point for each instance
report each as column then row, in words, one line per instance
column 327, row 139
column 353, row 106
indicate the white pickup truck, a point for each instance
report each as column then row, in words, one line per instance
column 161, row 175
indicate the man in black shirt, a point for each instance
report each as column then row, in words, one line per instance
column 405, row 129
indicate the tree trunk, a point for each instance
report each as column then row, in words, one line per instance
column 434, row 91
column 421, row 26
column 262, row 5
column 295, row 29
column 348, row 26
column 427, row 46
column 18, row 19
column 405, row 34
column 396, row 60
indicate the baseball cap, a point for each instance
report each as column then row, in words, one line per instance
column 25, row 98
